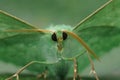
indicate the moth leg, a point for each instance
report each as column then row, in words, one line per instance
column 43, row 74
column 92, row 68
column 20, row 70
column 76, row 76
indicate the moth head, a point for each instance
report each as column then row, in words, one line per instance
column 59, row 37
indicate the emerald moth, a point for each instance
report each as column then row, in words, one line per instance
column 25, row 45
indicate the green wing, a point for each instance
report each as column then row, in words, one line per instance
column 8, row 21
column 101, row 38
column 19, row 48
column 101, row 32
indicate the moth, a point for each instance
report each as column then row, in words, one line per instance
column 53, row 47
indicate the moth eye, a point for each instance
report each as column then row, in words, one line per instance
column 64, row 35
column 54, row 37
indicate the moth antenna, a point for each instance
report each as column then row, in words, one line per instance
column 24, row 22
column 83, row 43
column 30, row 30
column 93, row 13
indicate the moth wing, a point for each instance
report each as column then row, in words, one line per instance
column 19, row 48
column 101, row 39
column 8, row 22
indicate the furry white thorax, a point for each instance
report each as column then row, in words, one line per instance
column 60, row 28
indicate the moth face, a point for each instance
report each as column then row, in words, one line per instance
column 59, row 37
